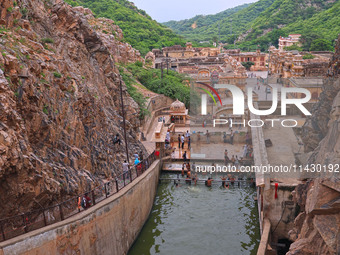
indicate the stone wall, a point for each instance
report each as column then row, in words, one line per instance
column 110, row 227
column 155, row 106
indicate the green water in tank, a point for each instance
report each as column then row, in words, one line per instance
column 199, row 220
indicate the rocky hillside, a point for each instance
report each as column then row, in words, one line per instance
column 139, row 29
column 59, row 102
column 317, row 228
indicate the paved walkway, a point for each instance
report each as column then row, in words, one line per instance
column 285, row 145
column 202, row 150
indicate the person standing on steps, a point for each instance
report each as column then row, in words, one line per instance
column 126, row 169
column 86, row 201
column 179, row 141
column 245, row 151
column 208, row 136
column 237, row 162
column 183, row 140
column 187, row 135
column 195, row 179
column 141, row 157
column 185, row 156
column 137, row 161
column 232, row 160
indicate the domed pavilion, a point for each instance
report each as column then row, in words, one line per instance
column 178, row 113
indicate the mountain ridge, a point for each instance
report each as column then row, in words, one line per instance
column 264, row 21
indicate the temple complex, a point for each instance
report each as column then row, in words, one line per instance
column 177, row 51
column 288, row 41
column 258, row 58
column 286, row 64
column 206, row 65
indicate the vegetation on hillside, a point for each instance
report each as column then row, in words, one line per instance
column 230, row 23
column 172, row 84
column 263, row 22
column 205, row 27
column 139, row 29
column 138, row 97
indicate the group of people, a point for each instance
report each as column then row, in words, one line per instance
column 184, row 138
column 84, row 202
column 189, row 178
column 234, row 160
column 231, row 140
column 252, row 75
column 126, row 166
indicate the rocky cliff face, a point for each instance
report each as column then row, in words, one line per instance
column 317, row 226
column 59, row 102
column 316, row 127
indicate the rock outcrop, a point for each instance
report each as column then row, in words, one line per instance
column 59, row 102
column 317, row 228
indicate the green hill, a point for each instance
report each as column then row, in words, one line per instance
column 263, row 22
column 139, row 29
column 205, row 24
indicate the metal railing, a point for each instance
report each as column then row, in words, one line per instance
column 20, row 224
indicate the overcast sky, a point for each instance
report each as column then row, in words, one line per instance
column 163, row 11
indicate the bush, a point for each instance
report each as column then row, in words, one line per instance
column 57, row 75
column 308, row 56
column 47, row 40
column 248, row 64
column 45, row 109
column 293, row 47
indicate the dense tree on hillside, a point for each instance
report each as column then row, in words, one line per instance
column 321, row 45
column 307, row 39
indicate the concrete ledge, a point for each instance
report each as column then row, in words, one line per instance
column 264, row 238
column 109, row 227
